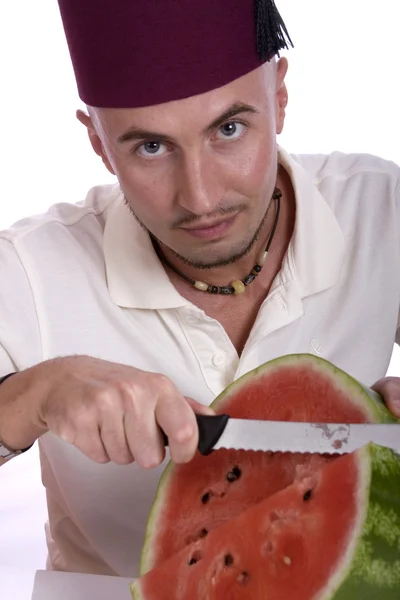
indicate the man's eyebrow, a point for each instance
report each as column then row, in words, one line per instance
column 137, row 133
column 236, row 109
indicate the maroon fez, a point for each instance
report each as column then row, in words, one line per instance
column 131, row 53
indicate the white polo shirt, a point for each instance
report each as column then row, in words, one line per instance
column 84, row 279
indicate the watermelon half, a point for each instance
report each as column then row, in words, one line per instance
column 334, row 534
column 195, row 498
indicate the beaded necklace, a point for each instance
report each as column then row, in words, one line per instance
column 239, row 286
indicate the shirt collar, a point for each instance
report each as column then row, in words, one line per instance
column 137, row 279
column 135, row 275
column 316, row 252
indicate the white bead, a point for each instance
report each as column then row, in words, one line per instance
column 200, row 285
column 262, row 258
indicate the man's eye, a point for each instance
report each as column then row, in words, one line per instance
column 150, row 149
column 231, row 130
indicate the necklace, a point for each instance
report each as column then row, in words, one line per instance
column 239, row 286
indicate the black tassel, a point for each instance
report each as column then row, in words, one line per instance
column 270, row 30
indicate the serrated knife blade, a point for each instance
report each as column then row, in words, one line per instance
column 321, row 438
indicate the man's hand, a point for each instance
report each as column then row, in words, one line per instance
column 389, row 389
column 110, row 412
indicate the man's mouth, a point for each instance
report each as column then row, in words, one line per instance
column 211, row 229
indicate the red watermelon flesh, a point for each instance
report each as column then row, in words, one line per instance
column 320, row 538
column 195, row 498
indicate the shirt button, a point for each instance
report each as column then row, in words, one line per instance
column 218, row 360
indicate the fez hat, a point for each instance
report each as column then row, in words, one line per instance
column 132, row 53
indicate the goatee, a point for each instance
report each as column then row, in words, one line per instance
column 201, row 264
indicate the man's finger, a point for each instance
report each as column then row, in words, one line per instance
column 200, row 409
column 144, row 439
column 113, row 436
column 389, row 389
column 177, row 420
column 89, row 442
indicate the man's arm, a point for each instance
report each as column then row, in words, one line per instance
column 20, row 341
column 6, row 367
column 3, row 460
column 6, row 453
column 15, row 395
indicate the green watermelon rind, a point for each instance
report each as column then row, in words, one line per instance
column 363, row 572
column 359, row 573
column 369, row 400
column 152, row 520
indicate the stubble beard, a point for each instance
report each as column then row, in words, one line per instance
column 235, row 257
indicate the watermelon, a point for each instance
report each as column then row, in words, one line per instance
column 334, row 534
column 195, row 498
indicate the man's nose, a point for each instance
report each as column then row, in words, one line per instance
column 200, row 184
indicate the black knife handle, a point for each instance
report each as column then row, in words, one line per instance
column 211, row 427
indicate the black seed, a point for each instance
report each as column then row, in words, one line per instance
column 206, row 498
column 307, row 495
column 234, row 475
column 203, row 533
column 195, row 558
column 228, row 560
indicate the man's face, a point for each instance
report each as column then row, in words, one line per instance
column 199, row 173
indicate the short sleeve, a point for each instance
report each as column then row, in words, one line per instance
column 20, row 345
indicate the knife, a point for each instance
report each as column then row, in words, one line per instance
column 222, row 431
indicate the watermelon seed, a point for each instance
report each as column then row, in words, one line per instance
column 242, row 577
column 307, row 495
column 287, row 560
column 206, row 498
column 197, row 536
column 228, row 560
column 268, row 547
column 234, row 475
column 195, row 558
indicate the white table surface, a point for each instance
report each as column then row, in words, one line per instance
column 28, row 584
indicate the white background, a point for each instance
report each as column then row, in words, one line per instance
column 344, row 95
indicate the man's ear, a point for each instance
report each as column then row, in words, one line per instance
column 282, row 97
column 94, row 138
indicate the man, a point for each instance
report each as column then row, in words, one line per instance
column 126, row 314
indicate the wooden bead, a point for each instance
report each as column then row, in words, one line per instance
column 239, row 287
column 200, row 285
column 262, row 258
